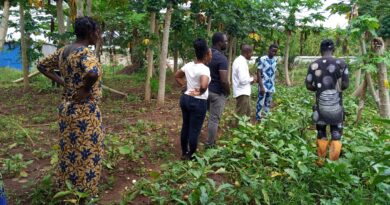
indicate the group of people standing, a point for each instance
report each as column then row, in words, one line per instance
column 206, row 86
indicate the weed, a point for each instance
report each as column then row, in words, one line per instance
column 15, row 165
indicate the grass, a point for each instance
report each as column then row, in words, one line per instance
column 7, row 75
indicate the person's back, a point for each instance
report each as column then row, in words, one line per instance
column 193, row 72
column 328, row 77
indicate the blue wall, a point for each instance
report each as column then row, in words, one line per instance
column 10, row 56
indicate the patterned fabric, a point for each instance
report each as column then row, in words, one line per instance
column 328, row 77
column 267, row 99
column 3, row 198
column 268, row 70
column 80, row 124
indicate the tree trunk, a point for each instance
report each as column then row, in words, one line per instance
column 362, row 101
column 163, row 56
column 367, row 82
column 149, row 56
column 301, row 43
column 363, row 49
column 23, row 48
column 372, row 89
column 99, row 44
column 384, row 103
column 89, row 7
column 68, row 24
column 60, row 18
column 209, row 21
column 175, row 59
column 4, row 23
column 80, row 8
column 357, row 78
column 345, row 47
column 286, row 56
column 230, row 57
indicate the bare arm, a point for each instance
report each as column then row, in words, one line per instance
column 179, row 77
column 51, row 75
column 260, row 81
column 225, row 81
column 47, row 66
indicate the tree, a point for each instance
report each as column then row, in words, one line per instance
column 164, row 54
column 89, row 7
column 378, row 46
column 149, row 56
column 24, row 47
column 293, row 7
column 4, row 23
column 60, row 19
column 80, row 8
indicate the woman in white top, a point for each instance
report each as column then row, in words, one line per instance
column 195, row 77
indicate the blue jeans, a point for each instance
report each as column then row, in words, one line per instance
column 267, row 98
column 194, row 112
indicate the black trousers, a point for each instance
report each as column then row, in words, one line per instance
column 335, row 131
column 194, row 112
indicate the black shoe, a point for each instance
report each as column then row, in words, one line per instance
column 185, row 157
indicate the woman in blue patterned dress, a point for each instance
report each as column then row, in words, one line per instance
column 80, row 121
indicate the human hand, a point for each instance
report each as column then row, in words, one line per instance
column 262, row 91
column 195, row 92
column 254, row 79
column 82, row 95
column 183, row 88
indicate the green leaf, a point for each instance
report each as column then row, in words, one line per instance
column 265, row 195
column 292, row 174
column 362, row 149
column 81, row 195
column 124, row 150
column 221, row 171
column 224, row 186
column 380, row 120
column 303, row 168
column 196, row 173
column 68, row 185
column 204, row 198
column 61, row 194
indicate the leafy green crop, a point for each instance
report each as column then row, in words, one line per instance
column 274, row 163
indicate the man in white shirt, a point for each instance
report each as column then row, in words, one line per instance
column 242, row 81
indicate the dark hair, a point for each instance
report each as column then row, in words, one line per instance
column 217, row 37
column 273, row 46
column 201, row 48
column 327, row 45
column 84, row 26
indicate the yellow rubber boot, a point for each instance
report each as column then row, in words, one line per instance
column 322, row 146
column 334, row 150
